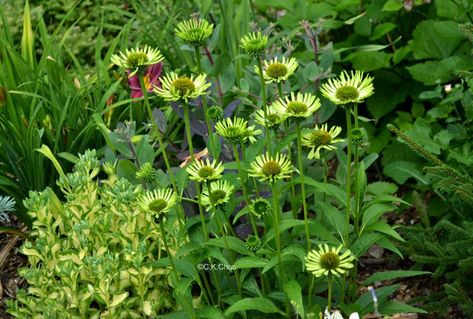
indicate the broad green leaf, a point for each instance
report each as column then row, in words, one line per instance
column 330, row 189
column 311, row 71
column 256, row 304
column 381, row 29
column 233, row 243
column 435, row 72
column 210, row 312
column 251, row 262
column 393, row 274
column 369, row 60
column 335, row 217
column 374, row 212
column 294, row 293
column 395, row 307
column 392, row 5
column 366, row 301
column 386, row 243
column 401, row 171
column 379, row 188
column 118, row 299
column 384, row 228
column 283, row 226
column 436, row 39
column 364, row 242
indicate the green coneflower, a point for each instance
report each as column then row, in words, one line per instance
column 194, row 31
column 204, row 170
column 136, row 59
column 253, row 243
column 327, row 261
column 275, row 71
column 272, row 119
column 215, row 113
column 175, row 88
column 297, row 106
column 359, row 137
column 260, row 207
column 250, row 134
column 254, row 44
column 146, row 173
column 321, row 138
column 348, row 88
column 216, row 194
column 236, row 130
column 268, row 168
column 157, row 202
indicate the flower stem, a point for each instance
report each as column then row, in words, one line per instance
column 180, row 211
column 301, row 174
column 197, row 186
column 348, row 177
column 289, row 154
column 263, row 96
column 355, row 175
column 276, row 218
column 227, row 246
column 329, row 297
column 171, row 260
column 187, row 123
column 204, row 105
column 243, row 185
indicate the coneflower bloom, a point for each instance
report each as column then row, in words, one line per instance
column 348, row 88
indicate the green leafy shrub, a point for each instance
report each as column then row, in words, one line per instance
column 440, row 243
column 92, row 255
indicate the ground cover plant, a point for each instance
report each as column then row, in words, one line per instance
column 239, row 159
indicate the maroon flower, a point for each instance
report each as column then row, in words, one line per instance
column 151, row 79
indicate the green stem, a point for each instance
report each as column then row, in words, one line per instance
column 279, row 89
column 355, row 170
column 191, row 151
column 244, row 187
column 201, row 212
column 171, row 260
column 161, row 144
column 204, row 105
column 255, row 183
column 329, row 297
column 276, row 219
column 293, row 188
column 301, row 174
column 348, row 177
column 264, row 97
column 227, row 246
column 187, row 123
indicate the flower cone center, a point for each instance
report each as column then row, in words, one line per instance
column 271, row 168
column 329, row 260
column 157, row 205
column 295, row 107
column 136, row 59
column 261, row 207
column 183, row 85
column 217, row 195
column 206, row 172
column 347, row 93
column 320, row 138
column 272, row 118
column 276, row 70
